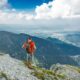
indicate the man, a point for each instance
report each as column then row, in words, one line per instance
column 30, row 48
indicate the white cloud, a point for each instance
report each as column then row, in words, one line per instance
column 58, row 8
column 53, row 9
column 55, row 15
column 75, row 6
column 4, row 4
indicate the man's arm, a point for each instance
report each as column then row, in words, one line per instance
column 24, row 45
column 35, row 47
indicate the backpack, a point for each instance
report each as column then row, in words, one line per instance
column 30, row 48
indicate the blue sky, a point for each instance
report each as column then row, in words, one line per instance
column 26, row 4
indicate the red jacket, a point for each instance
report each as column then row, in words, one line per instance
column 30, row 47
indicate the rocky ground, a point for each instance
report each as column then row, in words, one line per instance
column 13, row 69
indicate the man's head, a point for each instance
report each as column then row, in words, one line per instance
column 29, row 39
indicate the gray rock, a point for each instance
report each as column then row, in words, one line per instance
column 70, row 72
column 13, row 69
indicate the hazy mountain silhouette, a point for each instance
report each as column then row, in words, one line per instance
column 49, row 51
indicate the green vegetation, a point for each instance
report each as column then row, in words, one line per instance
column 3, row 75
column 45, row 74
column 42, row 74
column 49, row 72
column 78, row 69
column 61, row 76
column 39, row 75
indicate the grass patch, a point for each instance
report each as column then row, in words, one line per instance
column 78, row 69
column 3, row 75
column 49, row 72
column 61, row 76
column 41, row 72
column 39, row 75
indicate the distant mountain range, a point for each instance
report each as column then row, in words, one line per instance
column 49, row 50
column 69, row 37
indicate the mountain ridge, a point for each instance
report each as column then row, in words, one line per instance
column 49, row 51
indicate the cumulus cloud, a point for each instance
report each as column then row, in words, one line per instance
column 51, row 10
column 58, row 8
column 57, row 14
column 4, row 4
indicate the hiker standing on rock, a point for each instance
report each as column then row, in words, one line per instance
column 30, row 48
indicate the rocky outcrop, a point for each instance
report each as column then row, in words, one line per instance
column 69, row 72
column 13, row 69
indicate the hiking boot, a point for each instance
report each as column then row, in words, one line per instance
column 30, row 65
